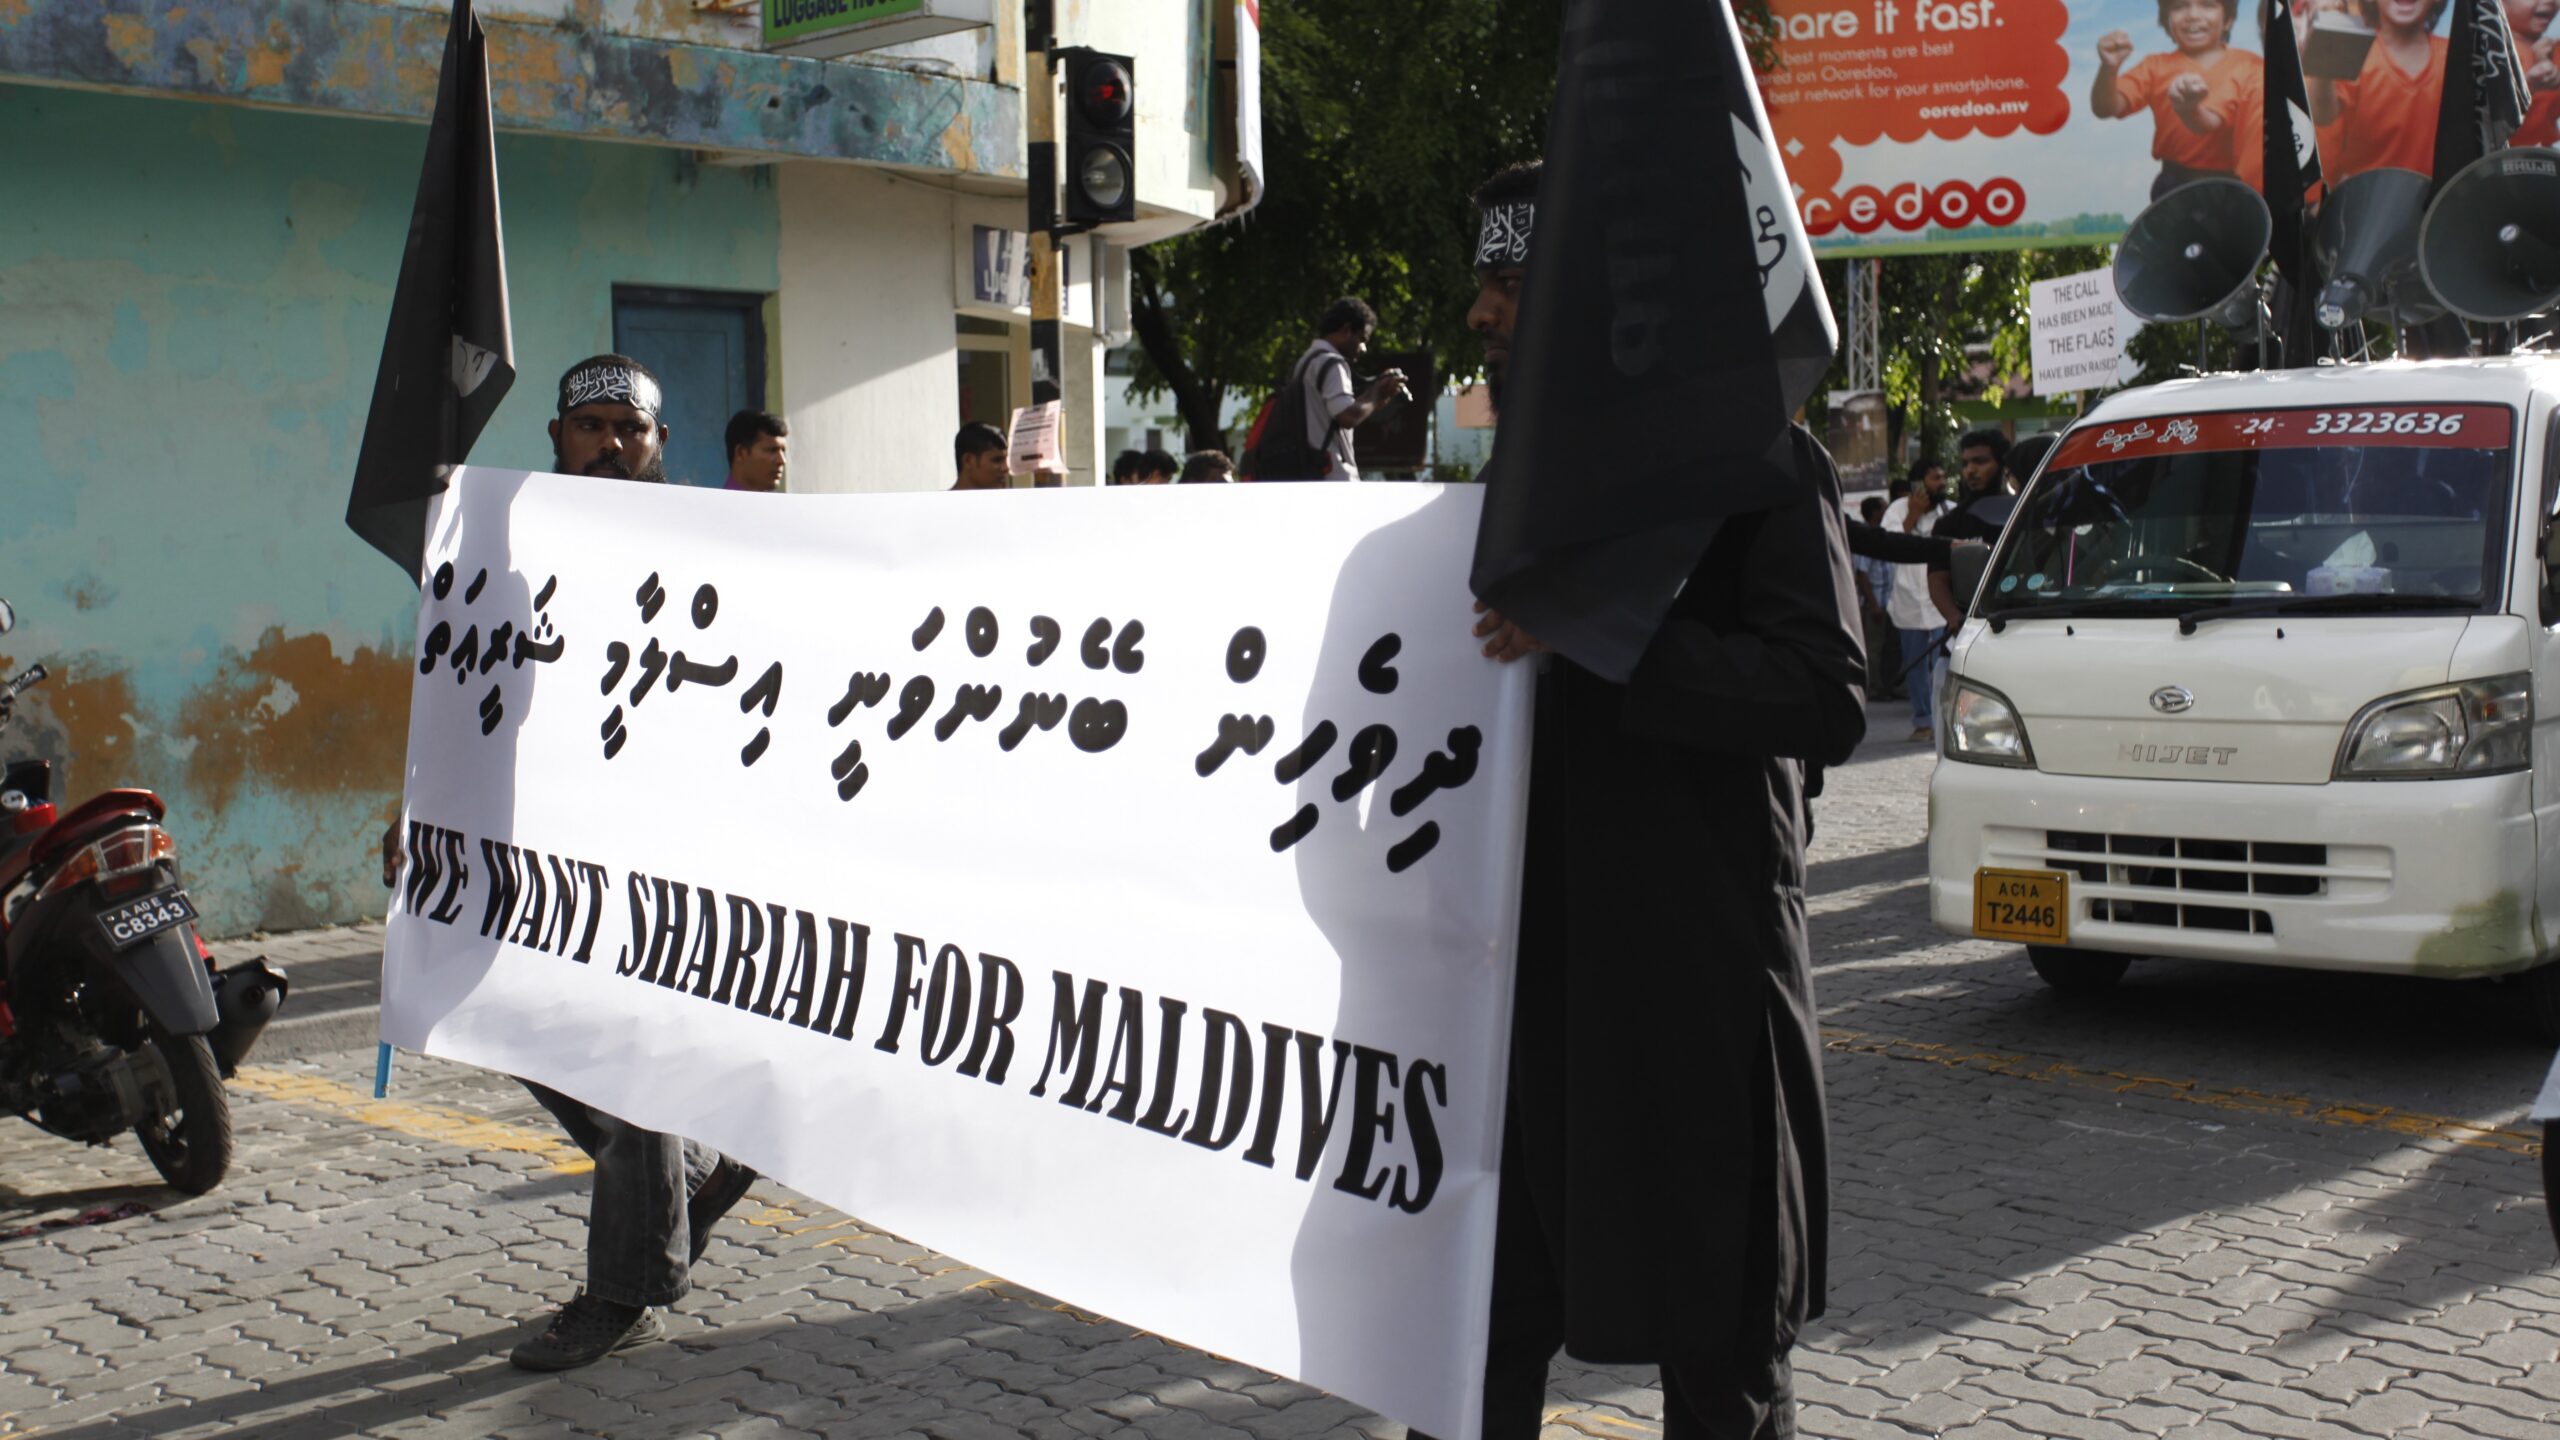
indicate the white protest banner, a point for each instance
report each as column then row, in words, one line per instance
column 1112, row 888
column 2076, row 332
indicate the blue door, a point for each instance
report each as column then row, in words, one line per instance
column 707, row 347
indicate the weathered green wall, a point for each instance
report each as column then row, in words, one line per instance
column 192, row 301
column 577, row 74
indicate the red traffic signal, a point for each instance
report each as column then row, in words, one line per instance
column 1099, row 159
column 1102, row 92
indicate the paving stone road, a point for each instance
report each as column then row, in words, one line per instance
column 2215, row 1202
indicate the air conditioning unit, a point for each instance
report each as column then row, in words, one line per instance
column 825, row 29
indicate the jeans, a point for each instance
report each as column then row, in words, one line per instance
column 1922, row 677
column 639, row 1245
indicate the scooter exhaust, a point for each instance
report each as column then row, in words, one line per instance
column 245, row 998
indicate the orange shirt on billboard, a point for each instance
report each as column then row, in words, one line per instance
column 2541, row 123
column 2387, row 117
column 2231, row 89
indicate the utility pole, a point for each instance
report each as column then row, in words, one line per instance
column 1866, row 366
column 1040, row 127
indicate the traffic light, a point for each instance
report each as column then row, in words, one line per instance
column 1102, row 137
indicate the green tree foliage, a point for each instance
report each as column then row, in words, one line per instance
column 1378, row 122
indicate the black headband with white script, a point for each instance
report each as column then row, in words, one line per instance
column 610, row 383
column 1504, row 240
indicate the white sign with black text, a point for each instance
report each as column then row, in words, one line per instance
column 2076, row 332
column 1114, row 889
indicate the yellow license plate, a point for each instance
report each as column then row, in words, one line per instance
column 2029, row 905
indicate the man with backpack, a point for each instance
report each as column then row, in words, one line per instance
column 1305, row 433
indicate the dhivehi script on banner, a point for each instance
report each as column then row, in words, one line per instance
column 1114, row 889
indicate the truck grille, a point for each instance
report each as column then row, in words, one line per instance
column 2201, row 884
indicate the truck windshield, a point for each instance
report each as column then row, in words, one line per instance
column 2406, row 504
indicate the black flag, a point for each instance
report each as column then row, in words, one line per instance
column 2484, row 96
column 447, row 358
column 2292, row 184
column 1671, row 323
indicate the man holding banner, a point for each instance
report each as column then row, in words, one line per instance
column 656, row 1195
column 1664, row 1168
column 1663, row 918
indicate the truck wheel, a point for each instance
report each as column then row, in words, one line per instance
column 2539, row 990
column 2077, row 972
column 190, row 1144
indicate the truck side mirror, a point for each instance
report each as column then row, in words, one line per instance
column 1965, row 566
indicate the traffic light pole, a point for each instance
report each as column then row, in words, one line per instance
column 1040, row 125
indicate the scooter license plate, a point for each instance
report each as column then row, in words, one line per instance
column 135, row 921
column 2029, row 905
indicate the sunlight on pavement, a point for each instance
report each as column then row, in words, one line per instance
column 423, row 1122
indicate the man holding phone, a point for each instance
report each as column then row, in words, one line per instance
column 1333, row 407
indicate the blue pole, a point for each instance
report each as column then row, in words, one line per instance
column 382, row 1071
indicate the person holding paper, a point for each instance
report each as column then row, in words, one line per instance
column 2201, row 96
column 2386, row 116
column 1664, row 1182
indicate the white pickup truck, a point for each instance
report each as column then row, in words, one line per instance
column 2252, row 676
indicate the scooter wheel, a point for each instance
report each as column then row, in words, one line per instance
column 190, row 1144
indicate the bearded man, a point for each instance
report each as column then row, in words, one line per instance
column 656, row 1196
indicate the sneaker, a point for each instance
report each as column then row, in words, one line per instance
column 586, row 1330
column 1923, row 735
column 722, row 1188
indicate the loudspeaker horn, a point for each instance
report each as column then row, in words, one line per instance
column 2490, row 245
column 2367, row 244
column 2195, row 252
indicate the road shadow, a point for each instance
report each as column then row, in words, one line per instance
column 826, row 1369
column 2280, row 1151
column 32, row 1213
column 1874, row 867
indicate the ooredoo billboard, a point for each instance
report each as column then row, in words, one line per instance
column 1919, row 125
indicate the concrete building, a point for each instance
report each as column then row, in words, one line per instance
column 202, row 211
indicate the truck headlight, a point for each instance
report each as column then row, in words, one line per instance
column 1983, row 728
column 2479, row 727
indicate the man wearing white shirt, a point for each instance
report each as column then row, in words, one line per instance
column 1333, row 408
column 1915, row 617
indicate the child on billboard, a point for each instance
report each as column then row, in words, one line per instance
column 2531, row 20
column 2386, row 116
column 2204, row 97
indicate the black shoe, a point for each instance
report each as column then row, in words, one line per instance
column 722, row 1188
column 586, row 1330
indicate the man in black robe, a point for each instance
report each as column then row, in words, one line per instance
column 1664, row 1172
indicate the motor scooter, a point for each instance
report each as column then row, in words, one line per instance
column 113, row 1016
